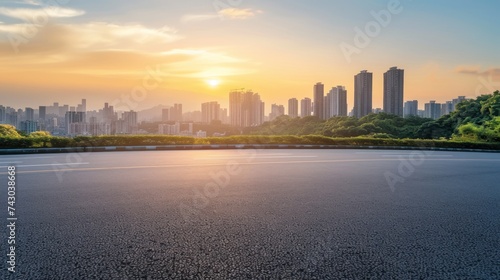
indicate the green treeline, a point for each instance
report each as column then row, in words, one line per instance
column 474, row 124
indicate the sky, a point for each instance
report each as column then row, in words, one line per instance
column 139, row 54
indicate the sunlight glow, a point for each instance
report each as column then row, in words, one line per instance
column 213, row 82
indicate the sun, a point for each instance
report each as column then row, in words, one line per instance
column 213, row 82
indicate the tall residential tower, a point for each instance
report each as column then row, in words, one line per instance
column 394, row 91
column 293, row 107
column 363, row 84
column 319, row 96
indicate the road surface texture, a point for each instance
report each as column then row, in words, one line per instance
column 246, row 214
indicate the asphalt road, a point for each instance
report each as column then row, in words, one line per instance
column 270, row 214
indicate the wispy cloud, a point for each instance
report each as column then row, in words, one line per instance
column 235, row 13
column 101, row 34
column 32, row 2
column 33, row 14
column 26, row 2
column 107, row 49
column 476, row 70
column 228, row 13
column 92, row 36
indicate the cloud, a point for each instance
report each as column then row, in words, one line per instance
column 55, row 37
column 228, row 13
column 112, row 50
column 32, row 2
column 102, row 34
column 23, row 2
column 26, row 2
column 37, row 15
column 476, row 70
column 234, row 13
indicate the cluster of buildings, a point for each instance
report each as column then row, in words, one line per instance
column 432, row 110
column 393, row 93
column 68, row 120
column 246, row 109
column 335, row 104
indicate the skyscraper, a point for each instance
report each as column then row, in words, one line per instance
column 223, row 115
column 165, row 114
column 363, row 83
column 305, row 107
column 176, row 113
column 3, row 114
column 245, row 108
column 327, row 107
column 276, row 111
column 293, row 107
column 394, row 91
column 75, row 123
column 337, row 102
column 29, row 114
column 432, row 110
column 127, row 124
column 235, row 101
column 331, row 103
column 210, row 111
column 82, row 107
column 341, row 101
column 456, row 101
column 319, row 95
column 42, row 112
column 411, row 108
column 173, row 113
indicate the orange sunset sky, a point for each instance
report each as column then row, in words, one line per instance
column 197, row 51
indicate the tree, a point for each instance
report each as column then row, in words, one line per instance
column 40, row 134
column 8, row 131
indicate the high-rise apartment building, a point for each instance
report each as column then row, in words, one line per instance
column 336, row 102
column 363, row 85
column 176, row 113
column 305, row 107
column 210, row 111
column 276, row 111
column 319, row 96
column 42, row 112
column 245, row 108
column 456, row 101
column 75, row 123
column 447, row 108
column 173, row 113
column 327, row 107
column 29, row 114
column 341, row 101
column 28, row 126
column 3, row 115
column 432, row 110
column 293, row 107
column 129, row 122
column 394, row 91
column 223, row 116
column 410, row 108
column 82, row 107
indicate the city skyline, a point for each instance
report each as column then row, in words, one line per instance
column 173, row 52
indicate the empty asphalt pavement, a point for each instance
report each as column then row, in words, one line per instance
column 254, row 214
